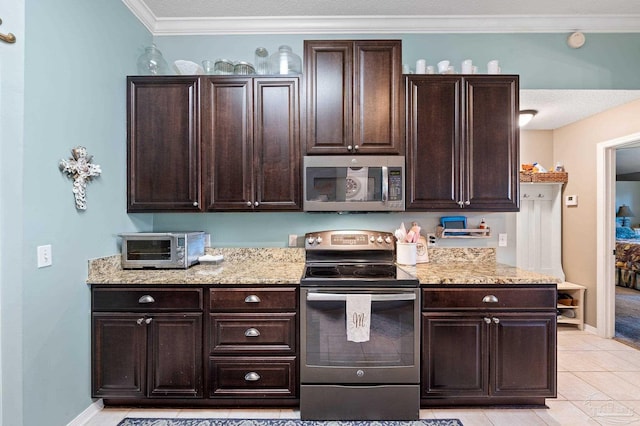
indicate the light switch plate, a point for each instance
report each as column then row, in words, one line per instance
column 293, row 240
column 571, row 200
column 502, row 240
column 44, row 256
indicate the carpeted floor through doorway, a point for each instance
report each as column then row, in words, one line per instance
column 628, row 316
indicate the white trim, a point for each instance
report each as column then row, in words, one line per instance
column 605, row 220
column 392, row 24
column 84, row 417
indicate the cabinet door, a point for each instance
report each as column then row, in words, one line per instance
column 354, row 96
column 276, row 144
column 175, row 355
column 377, row 97
column 434, row 127
column 491, row 154
column 454, row 355
column 228, row 143
column 119, row 356
column 523, row 347
column 163, row 144
column 329, row 80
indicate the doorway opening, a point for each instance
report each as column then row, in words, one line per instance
column 605, row 268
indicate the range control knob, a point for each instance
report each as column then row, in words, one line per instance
column 379, row 239
column 372, row 239
column 387, row 239
column 319, row 240
column 311, row 240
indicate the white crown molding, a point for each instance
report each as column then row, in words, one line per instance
column 394, row 24
column 380, row 24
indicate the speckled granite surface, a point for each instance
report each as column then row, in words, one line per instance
column 286, row 265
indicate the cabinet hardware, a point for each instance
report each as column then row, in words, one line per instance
column 148, row 320
column 540, row 196
column 467, row 203
column 195, row 204
column 140, row 321
column 248, row 203
column 525, row 196
column 487, row 320
column 356, row 147
column 252, row 332
column 256, row 204
column 460, row 203
column 146, row 299
column 252, row 298
column 7, row 38
column 252, row 377
column 490, row 299
column 349, row 147
column 496, row 321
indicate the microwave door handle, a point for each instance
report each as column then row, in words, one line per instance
column 385, row 184
column 336, row 297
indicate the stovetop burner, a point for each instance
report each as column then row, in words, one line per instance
column 352, row 271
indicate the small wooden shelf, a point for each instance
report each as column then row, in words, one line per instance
column 576, row 291
column 442, row 232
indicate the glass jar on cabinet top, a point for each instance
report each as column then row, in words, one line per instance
column 151, row 62
column 284, row 61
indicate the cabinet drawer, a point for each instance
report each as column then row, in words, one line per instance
column 253, row 299
column 146, row 299
column 233, row 333
column 250, row 377
column 481, row 298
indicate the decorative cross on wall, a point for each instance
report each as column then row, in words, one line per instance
column 79, row 168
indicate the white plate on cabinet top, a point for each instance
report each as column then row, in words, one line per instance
column 187, row 67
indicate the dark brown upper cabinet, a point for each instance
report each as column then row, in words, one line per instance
column 163, row 144
column 462, row 142
column 354, row 96
column 251, row 138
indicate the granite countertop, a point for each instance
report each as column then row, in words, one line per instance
column 285, row 266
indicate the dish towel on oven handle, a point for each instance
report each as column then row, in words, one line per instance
column 358, row 317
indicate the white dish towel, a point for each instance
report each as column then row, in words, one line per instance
column 358, row 317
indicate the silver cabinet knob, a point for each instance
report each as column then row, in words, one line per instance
column 540, row 195
column 356, row 147
column 252, row 298
column 252, row 376
column 252, row 332
column 256, row 204
column 349, row 147
column 487, row 320
column 146, row 299
column 525, row 196
column 148, row 320
column 466, row 203
column 460, row 203
column 249, row 203
column 195, row 204
column 140, row 321
column 496, row 321
column 490, row 298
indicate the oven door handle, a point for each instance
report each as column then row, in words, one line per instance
column 337, row 297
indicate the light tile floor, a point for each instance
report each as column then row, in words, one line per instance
column 598, row 384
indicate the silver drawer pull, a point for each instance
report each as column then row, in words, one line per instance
column 252, row 376
column 490, row 299
column 146, row 299
column 252, row 332
column 252, row 298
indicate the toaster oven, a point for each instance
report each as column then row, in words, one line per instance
column 161, row 250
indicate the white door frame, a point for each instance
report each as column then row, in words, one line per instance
column 605, row 219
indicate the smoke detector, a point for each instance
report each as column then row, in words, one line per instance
column 576, row 40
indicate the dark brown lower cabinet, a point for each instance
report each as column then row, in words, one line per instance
column 151, row 346
column 492, row 355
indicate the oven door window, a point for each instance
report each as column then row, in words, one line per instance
column 149, row 249
column 391, row 341
column 332, row 184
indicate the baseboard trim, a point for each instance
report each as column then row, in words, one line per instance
column 87, row 414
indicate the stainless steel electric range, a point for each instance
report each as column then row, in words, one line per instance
column 360, row 313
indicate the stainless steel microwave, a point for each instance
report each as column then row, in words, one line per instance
column 353, row 183
column 161, row 250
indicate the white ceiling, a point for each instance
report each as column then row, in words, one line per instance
column 556, row 107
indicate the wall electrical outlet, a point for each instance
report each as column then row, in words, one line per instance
column 431, row 240
column 571, row 200
column 502, row 240
column 293, row 240
column 44, row 256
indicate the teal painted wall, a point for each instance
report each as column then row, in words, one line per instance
column 76, row 58
column 77, row 55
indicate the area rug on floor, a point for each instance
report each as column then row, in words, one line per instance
column 282, row 422
column 628, row 316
